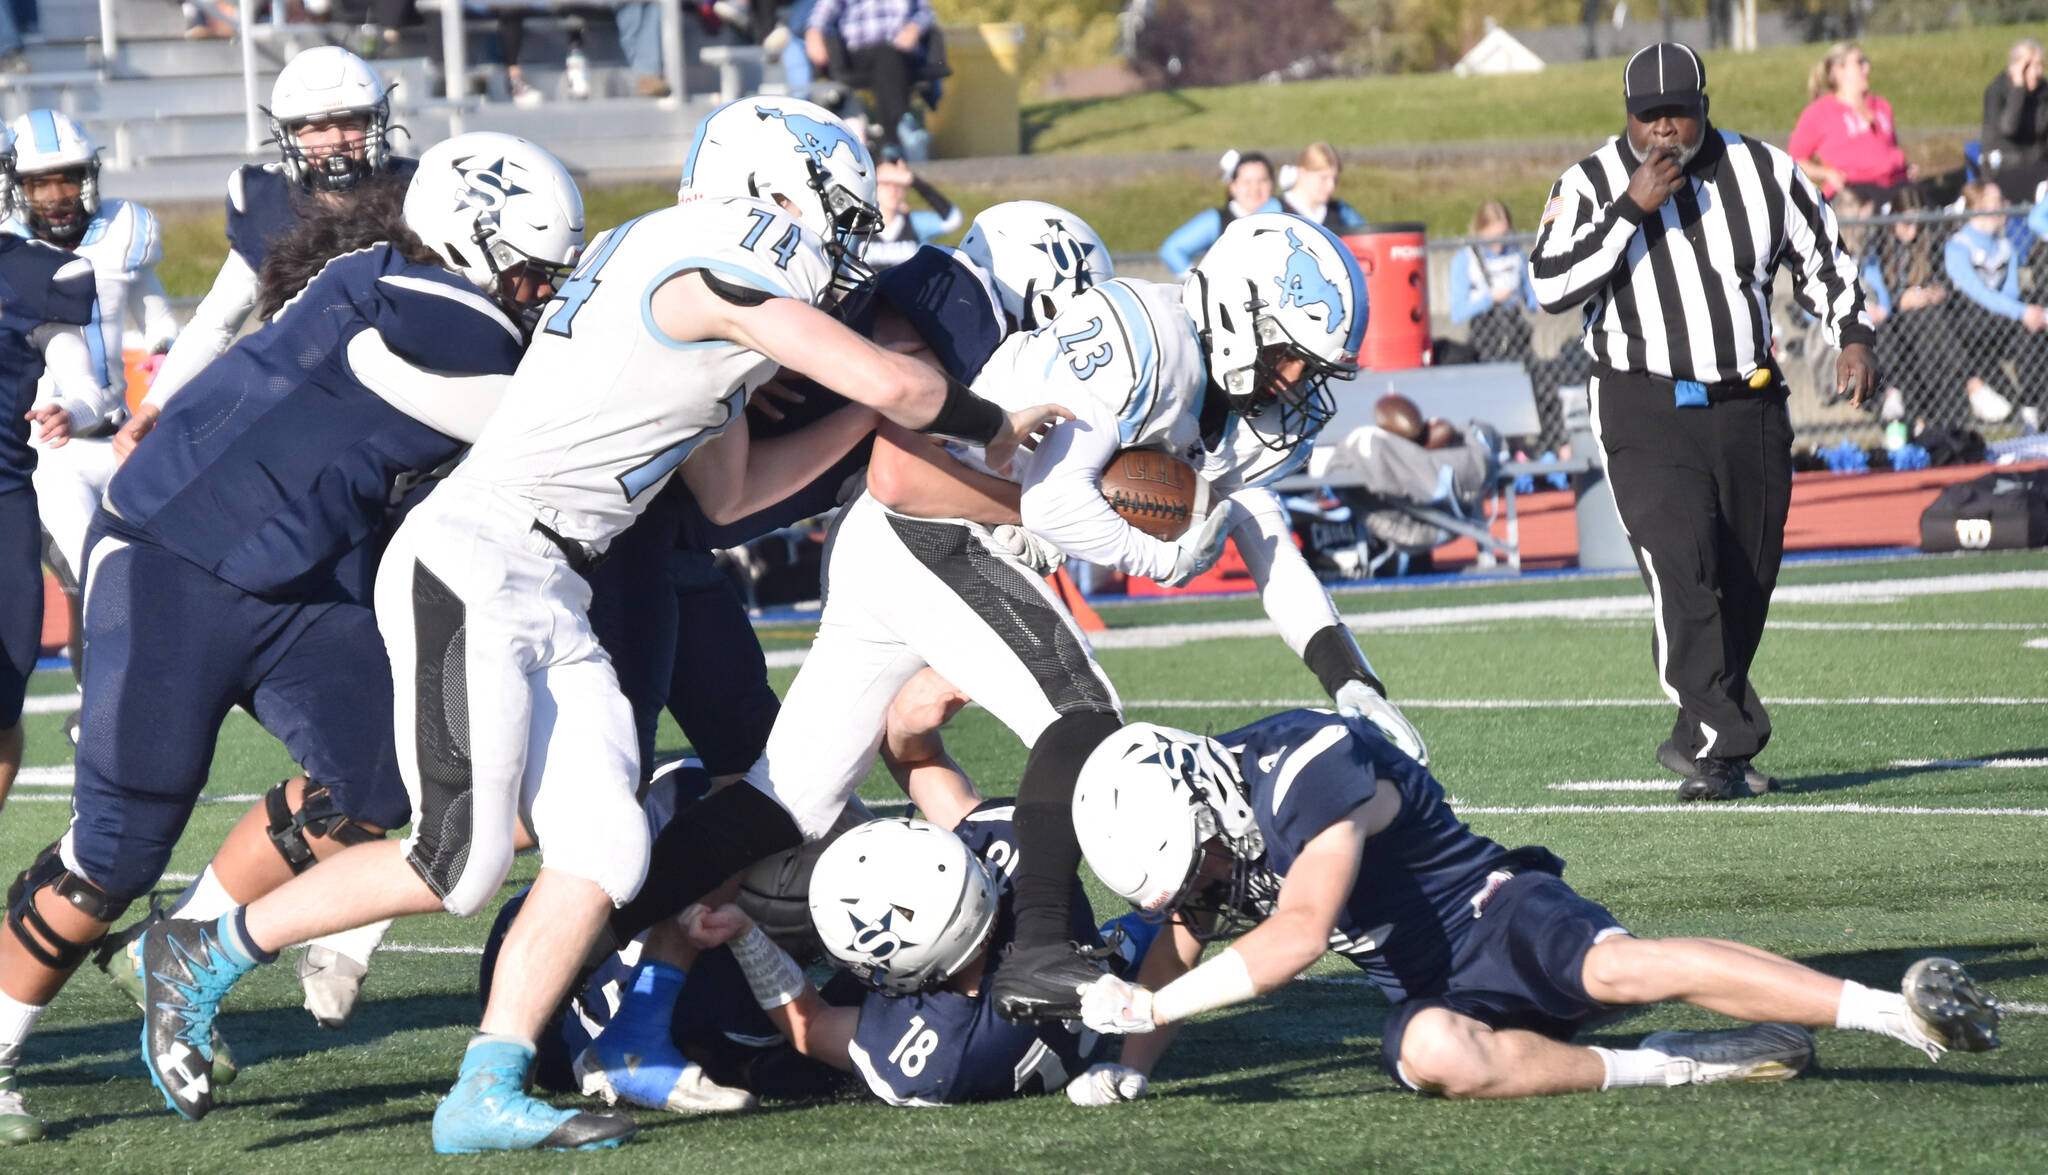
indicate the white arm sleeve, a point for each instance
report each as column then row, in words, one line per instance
column 454, row 405
column 68, row 368
column 1294, row 598
column 1063, row 503
column 214, row 325
column 152, row 308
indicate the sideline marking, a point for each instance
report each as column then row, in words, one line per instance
column 1749, row 807
column 1962, row 763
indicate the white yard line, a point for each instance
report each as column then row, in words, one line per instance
column 1748, row 808
column 403, row 949
column 65, row 799
column 1551, row 703
column 1362, row 981
column 50, row 704
column 1614, row 785
column 44, row 777
column 1960, row 763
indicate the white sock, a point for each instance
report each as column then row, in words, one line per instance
column 358, row 944
column 205, row 900
column 17, row 1020
column 1631, row 1067
column 1882, row 1012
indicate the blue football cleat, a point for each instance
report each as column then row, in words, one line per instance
column 490, row 1110
column 187, row 969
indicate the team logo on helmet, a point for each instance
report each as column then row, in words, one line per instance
column 1304, row 285
column 813, row 138
column 1068, row 253
column 875, row 939
column 486, row 186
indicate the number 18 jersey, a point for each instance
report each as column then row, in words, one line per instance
column 605, row 406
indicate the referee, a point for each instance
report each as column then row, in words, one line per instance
column 1669, row 238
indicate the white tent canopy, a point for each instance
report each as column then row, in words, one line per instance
column 1497, row 52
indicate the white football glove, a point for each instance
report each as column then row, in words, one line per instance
column 1034, row 552
column 1202, row 545
column 1106, row 1085
column 1114, row 1006
column 1355, row 699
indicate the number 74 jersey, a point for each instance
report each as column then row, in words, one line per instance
column 605, row 406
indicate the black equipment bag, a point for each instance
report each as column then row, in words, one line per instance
column 1996, row 512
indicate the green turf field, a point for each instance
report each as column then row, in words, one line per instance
column 1892, row 684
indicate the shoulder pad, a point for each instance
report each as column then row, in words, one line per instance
column 733, row 291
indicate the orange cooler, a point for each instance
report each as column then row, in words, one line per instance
column 1396, row 266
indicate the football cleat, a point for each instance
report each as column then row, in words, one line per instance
column 333, row 982
column 490, row 1110
column 120, row 957
column 1043, row 982
column 16, row 1123
column 1759, row 1052
column 187, row 969
column 1713, row 779
column 1679, row 763
column 1949, row 1009
column 667, row 1081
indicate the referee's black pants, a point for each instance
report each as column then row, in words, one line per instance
column 1702, row 493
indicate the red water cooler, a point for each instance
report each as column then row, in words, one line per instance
column 1396, row 266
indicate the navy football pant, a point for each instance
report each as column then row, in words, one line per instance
column 21, row 598
column 170, row 649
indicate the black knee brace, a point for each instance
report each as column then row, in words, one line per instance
column 50, row 948
column 318, row 815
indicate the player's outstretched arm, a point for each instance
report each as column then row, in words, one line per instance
column 814, row 1028
column 916, row 755
column 732, row 475
column 914, row 474
column 806, row 340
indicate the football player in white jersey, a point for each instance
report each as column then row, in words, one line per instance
column 57, row 180
column 329, row 116
column 508, row 715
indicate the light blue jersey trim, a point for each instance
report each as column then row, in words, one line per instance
column 1144, row 359
column 726, row 268
column 96, row 346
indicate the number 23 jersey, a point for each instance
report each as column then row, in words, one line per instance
column 605, row 405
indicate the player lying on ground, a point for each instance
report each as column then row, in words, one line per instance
column 1307, row 832
column 885, row 900
column 507, row 710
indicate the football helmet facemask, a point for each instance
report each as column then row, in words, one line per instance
column 47, row 142
column 1040, row 255
column 489, row 203
column 769, row 146
column 1281, row 307
column 1152, row 806
column 329, row 84
column 902, row 904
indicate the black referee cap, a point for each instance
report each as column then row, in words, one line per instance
column 1664, row 74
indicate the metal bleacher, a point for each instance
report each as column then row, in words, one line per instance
column 171, row 118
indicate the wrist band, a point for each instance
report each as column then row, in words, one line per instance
column 965, row 416
column 1220, row 982
column 1334, row 657
column 771, row 974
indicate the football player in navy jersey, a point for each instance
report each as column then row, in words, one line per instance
column 1307, row 831
column 211, row 566
column 329, row 116
column 46, row 295
column 924, row 1032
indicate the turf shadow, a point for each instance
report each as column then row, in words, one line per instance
column 1842, row 780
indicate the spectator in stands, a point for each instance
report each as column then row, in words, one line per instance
column 1250, row 177
column 904, row 229
column 1490, row 289
column 1845, row 137
column 1906, row 296
column 794, row 50
column 2015, row 144
column 640, row 37
column 13, row 57
column 1990, row 323
column 883, row 50
column 1313, row 191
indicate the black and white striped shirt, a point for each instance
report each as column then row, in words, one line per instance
column 1685, row 292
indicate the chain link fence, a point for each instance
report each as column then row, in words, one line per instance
column 1954, row 354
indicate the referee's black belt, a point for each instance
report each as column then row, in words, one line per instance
column 581, row 561
column 1763, row 383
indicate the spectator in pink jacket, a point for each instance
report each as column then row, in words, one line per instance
column 1845, row 137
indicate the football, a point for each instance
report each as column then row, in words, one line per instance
column 1398, row 415
column 775, row 892
column 1154, row 491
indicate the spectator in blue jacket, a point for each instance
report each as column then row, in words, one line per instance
column 1490, row 287
column 1251, row 190
column 1991, row 321
column 1312, row 190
